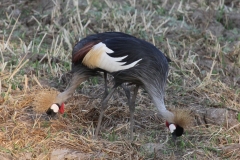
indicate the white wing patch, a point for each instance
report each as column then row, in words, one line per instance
column 97, row 57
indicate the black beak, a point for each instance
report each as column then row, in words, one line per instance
column 50, row 112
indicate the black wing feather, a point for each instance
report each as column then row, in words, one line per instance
column 98, row 37
column 134, row 49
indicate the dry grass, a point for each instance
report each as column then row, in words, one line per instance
column 35, row 50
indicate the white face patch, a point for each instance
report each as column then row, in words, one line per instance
column 172, row 128
column 55, row 108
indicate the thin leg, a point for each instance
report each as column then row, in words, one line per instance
column 103, row 108
column 105, row 85
column 127, row 92
column 132, row 109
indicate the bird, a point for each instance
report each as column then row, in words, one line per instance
column 129, row 60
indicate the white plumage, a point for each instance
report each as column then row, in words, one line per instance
column 98, row 57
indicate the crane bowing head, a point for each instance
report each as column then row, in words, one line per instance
column 181, row 120
column 55, row 108
column 175, row 129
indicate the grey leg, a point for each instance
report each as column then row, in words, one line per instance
column 103, row 108
column 105, row 85
column 132, row 109
column 127, row 92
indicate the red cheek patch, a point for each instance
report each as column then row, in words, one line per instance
column 167, row 124
column 61, row 109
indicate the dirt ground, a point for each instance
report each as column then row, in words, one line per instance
column 201, row 37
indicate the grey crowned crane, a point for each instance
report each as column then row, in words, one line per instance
column 127, row 59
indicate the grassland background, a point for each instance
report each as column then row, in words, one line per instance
column 201, row 37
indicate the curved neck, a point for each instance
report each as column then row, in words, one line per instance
column 76, row 80
column 166, row 114
column 155, row 86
